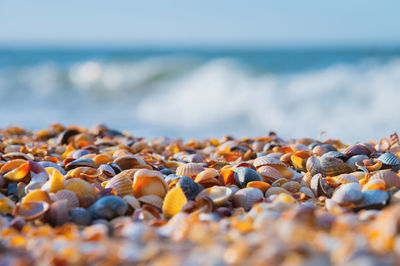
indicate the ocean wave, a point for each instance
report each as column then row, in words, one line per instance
column 194, row 98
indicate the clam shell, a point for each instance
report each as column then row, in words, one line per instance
column 108, row 207
column 82, row 162
column 152, row 200
column 207, row 178
column 357, row 149
column 18, row 173
column 244, row 175
column 307, row 192
column 147, row 182
column 227, row 176
column 107, row 170
column 345, row 178
column 335, row 154
column 122, row 183
column 189, row 169
column 389, row 159
column 80, row 187
column 18, row 155
column 375, row 184
column 267, row 160
column 246, row 197
column 189, row 187
column 218, row 194
column 348, row 194
column 131, row 161
column 299, row 160
column 37, row 195
column 315, row 185
column 102, row 158
column 373, row 199
column 327, row 166
column 390, row 178
column 173, row 202
column 69, row 196
column 354, row 159
column 369, row 165
column 292, row 186
column 275, row 191
column 132, row 201
column 11, row 165
column 261, row 185
column 31, row 210
column 80, row 216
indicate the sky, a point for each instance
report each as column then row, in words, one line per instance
column 206, row 22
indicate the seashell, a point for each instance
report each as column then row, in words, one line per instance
column 357, row 149
column 307, row 192
column 56, row 180
column 58, row 213
column 267, row 161
column 80, row 187
column 6, row 206
column 37, row 195
column 122, row 183
column 395, row 198
column 107, row 170
column 204, row 203
column 189, row 187
column 80, row 216
column 275, row 191
column 31, row 210
column 174, row 202
column 218, row 194
column 194, row 158
column 358, row 175
column 307, row 179
column 345, row 179
column 327, row 186
column 132, row 201
column 286, row 158
column 375, row 184
column 354, row 159
column 131, row 161
column 207, row 178
column 315, row 185
column 348, row 194
column 372, row 199
column 64, row 137
column 227, row 176
column 37, row 181
column 246, row 197
column 244, row 175
column 327, row 166
column 389, row 159
column 103, row 158
column 108, row 207
column 292, row 186
column 84, row 172
column 83, row 162
column 18, row 173
column 46, row 164
column 390, row 178
column 299, row 160
column 261, row 185
column 69, row 196
column 147, row 182
column 11, row 165
column 18, row 155
column 369, row 165
column 335, row 154
column 279, row 182
column 190, row 169
column 152, row 200
column 80, row 153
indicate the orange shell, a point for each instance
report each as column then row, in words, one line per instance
column 148, row 182
column 122, row 183
column 228, row 176
column 263, row 186
column 37, row 195
column 173, row 202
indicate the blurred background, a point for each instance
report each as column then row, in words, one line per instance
column 202, row 69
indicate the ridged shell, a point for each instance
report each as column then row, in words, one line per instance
column 174, row 202
column 261, row 185
column 267, row 160
column 189, row 169
column 79, row 187
column 335, row 154
column 122, row 183
column 37, row 195
column 218, row 194
column 327, row 166
column 152, row 200
column 345, row 178
column 246, row 197
column 132, row 201
column 275, row 191
column 390, row 178
column 357, row 149
column 269, row 173
column 130, row 161
column 189, row 187
column 147, row 182
column 31, row 210
column 108, row 207
column 291, row 186
column 389, row 159
column 69, row 196
column 80, row 216
column 56, row 180
column 244, row 175
column 207, row 178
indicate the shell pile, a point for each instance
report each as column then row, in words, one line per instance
column 77, row 196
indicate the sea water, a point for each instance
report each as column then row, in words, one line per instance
column 350, row 93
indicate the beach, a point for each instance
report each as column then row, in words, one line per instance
column 72, row 195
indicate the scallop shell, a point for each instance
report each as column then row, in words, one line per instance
column 327, row 166
column 261, row 185
column 152, row 200
column 207, row 178
column 218, row 194
column 147, row 182
column 131, row 161
column 269, row 173
column 173, row 202
column 122, row 183
column 189, row 169
column 267, row 160
column 246, row 197
column 189, row 187
column 56, row 179
column 390, row 178
column 389, row 159
column 31, row 210
column 69, row 196
column 244, row 175
column 132, row 201
column 79, row 187
column 108, row 207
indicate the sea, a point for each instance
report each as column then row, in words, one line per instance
column 352, row 94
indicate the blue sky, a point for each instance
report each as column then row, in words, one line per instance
column 206, row 22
